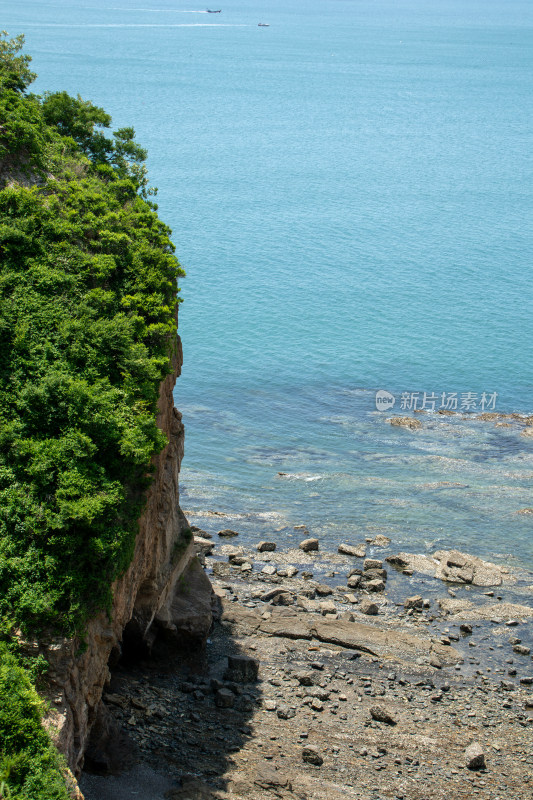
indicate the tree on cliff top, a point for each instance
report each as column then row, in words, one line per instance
column 14, row 66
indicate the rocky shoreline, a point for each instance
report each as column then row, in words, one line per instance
column 338, row 687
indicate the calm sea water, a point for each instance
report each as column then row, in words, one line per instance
column 350, row 194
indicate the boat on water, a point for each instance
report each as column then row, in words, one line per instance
column 263, row 25
column 214, row 11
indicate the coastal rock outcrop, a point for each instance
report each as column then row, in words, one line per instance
column 453, row 566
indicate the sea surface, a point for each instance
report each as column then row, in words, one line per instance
column 350, row 191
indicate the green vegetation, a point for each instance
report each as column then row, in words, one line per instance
column 88, row 302
column 30, row 767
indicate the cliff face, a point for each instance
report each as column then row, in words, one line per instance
column 144, row 598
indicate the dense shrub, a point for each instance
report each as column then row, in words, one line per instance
column 88, row 302
column 87, row 319
column 30, row 767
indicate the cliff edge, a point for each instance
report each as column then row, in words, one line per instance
column 146, row 598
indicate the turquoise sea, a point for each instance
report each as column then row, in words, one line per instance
column 350, row 191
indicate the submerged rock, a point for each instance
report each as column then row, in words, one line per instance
column 406, row 422
column 380, row 540
column 359, row 550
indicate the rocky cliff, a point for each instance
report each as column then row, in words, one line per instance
column 164, row 587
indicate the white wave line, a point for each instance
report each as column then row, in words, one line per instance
column 161, row 10
column 132, row 25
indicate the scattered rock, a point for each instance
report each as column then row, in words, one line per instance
column 285, row 712
column 305, row 678
column 202, row 545
column 269, row 597
column 282, row 599
column 370, row 574
column 415, row 601
column 400, row 562
column 323, row 590
column 116, row 699
column 310, row 755
column 224, row 698
column 242, row 669
column 453, row 566
column 268, row 778
column 327, row 607
column 354, row 581
column 237, row 559
column 368, row 607
column 269, row 569
column 227, row 532
column 372, row 563
column 287, row 572
column 266, row 547
column 381, row 714
column 308, row 545
column 474, row 756
column 521, row 649
column 376, row 585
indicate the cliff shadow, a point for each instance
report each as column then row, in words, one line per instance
column 173, row 713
